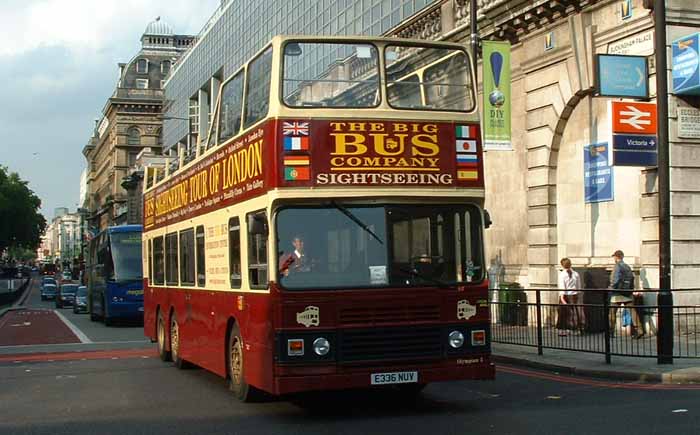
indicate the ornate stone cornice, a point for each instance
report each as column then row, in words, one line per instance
column 498, row 19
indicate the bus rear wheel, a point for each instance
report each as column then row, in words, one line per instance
column 175, row 343
column 236, row 368
column 163, row 351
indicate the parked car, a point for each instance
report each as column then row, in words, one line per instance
column 66, row 294
column 48, row 291
column 80, row 305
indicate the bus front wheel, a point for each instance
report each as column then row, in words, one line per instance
column 161, row 335
column 236, row 368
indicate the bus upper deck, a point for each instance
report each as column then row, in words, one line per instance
column 331, row 112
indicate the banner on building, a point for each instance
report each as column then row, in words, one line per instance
column 497, row 101
column 597, row 173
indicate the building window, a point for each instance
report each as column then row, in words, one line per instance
column 234, row 251
column 133, row 136
column 257, row 249
column 171, row 259
column 132, row 159
column 201, row 271
column 187, row 257
column 141, row 83
column 142, row 66
column 165, row 67
column 158, row 261
column 258, row 88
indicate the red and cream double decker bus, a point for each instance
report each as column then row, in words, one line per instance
column 329, row 232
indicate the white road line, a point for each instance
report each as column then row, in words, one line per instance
column 78, row 333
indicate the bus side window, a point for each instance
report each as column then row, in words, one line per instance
column 150, row 261
column 231, row 107
column 257, row 249
column 158, row 261
column 201, row 271
column 171, row 277
column 187, row 257
column 234, row 253
column 258, row 88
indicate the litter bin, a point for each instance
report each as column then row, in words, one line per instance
column 596, row 317
column 512, row 304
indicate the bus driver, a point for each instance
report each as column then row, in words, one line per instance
column 295, row 261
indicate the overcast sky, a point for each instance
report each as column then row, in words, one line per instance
column 58, row 66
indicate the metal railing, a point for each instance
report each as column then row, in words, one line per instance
column 11, row 289
column 594, row 323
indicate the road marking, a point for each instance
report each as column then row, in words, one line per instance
column 79, row 356
column 593, row 383
column 78, row 333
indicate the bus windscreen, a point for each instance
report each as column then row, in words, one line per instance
column 126, row 253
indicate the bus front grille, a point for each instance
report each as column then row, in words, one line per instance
column 405, row 343
column 383, row 314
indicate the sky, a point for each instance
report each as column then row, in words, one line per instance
column 58, row 66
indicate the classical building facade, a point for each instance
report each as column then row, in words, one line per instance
column 535, row 193
column 131, row 121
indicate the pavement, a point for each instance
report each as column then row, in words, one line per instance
column 632, row 369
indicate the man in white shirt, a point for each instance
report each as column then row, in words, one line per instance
column 571, row 314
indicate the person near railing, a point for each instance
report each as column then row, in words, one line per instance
column 570, row 312
column 623, row 295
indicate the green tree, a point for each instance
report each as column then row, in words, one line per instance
column 21, row 224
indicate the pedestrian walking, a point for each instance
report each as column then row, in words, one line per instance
column 622, row 295
column 570, row 312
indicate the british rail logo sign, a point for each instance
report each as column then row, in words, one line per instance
column 634, row 133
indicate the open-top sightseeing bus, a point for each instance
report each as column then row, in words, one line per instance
column 328, row 233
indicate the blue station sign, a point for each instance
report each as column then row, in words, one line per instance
column 685, row 65
column 597, row 173
column 622, row 76
column 634, row 150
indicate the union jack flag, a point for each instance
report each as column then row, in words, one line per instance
column 295, row 128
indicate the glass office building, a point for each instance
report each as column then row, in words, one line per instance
column 239, row 28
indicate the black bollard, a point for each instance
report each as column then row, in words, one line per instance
column 664, row 337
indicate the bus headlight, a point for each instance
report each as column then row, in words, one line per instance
column 456, row 339
column 321, row 346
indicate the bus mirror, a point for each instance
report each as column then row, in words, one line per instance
column 257, row 224
column 487, row 219
column 292, row 49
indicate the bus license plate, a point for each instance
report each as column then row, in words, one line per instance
column 394, row 378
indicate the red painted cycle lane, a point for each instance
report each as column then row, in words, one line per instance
column 26, row 327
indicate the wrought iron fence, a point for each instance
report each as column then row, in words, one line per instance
column 594, row 321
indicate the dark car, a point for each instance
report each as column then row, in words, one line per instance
column 66, row 295
column 48, row 291
column 48, row 280
column 80, row 305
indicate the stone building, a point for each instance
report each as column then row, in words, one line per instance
column 131, row 121
column 535, row 193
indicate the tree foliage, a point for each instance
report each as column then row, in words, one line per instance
column 20, row 220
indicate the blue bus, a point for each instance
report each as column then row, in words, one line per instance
column 115, row 275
